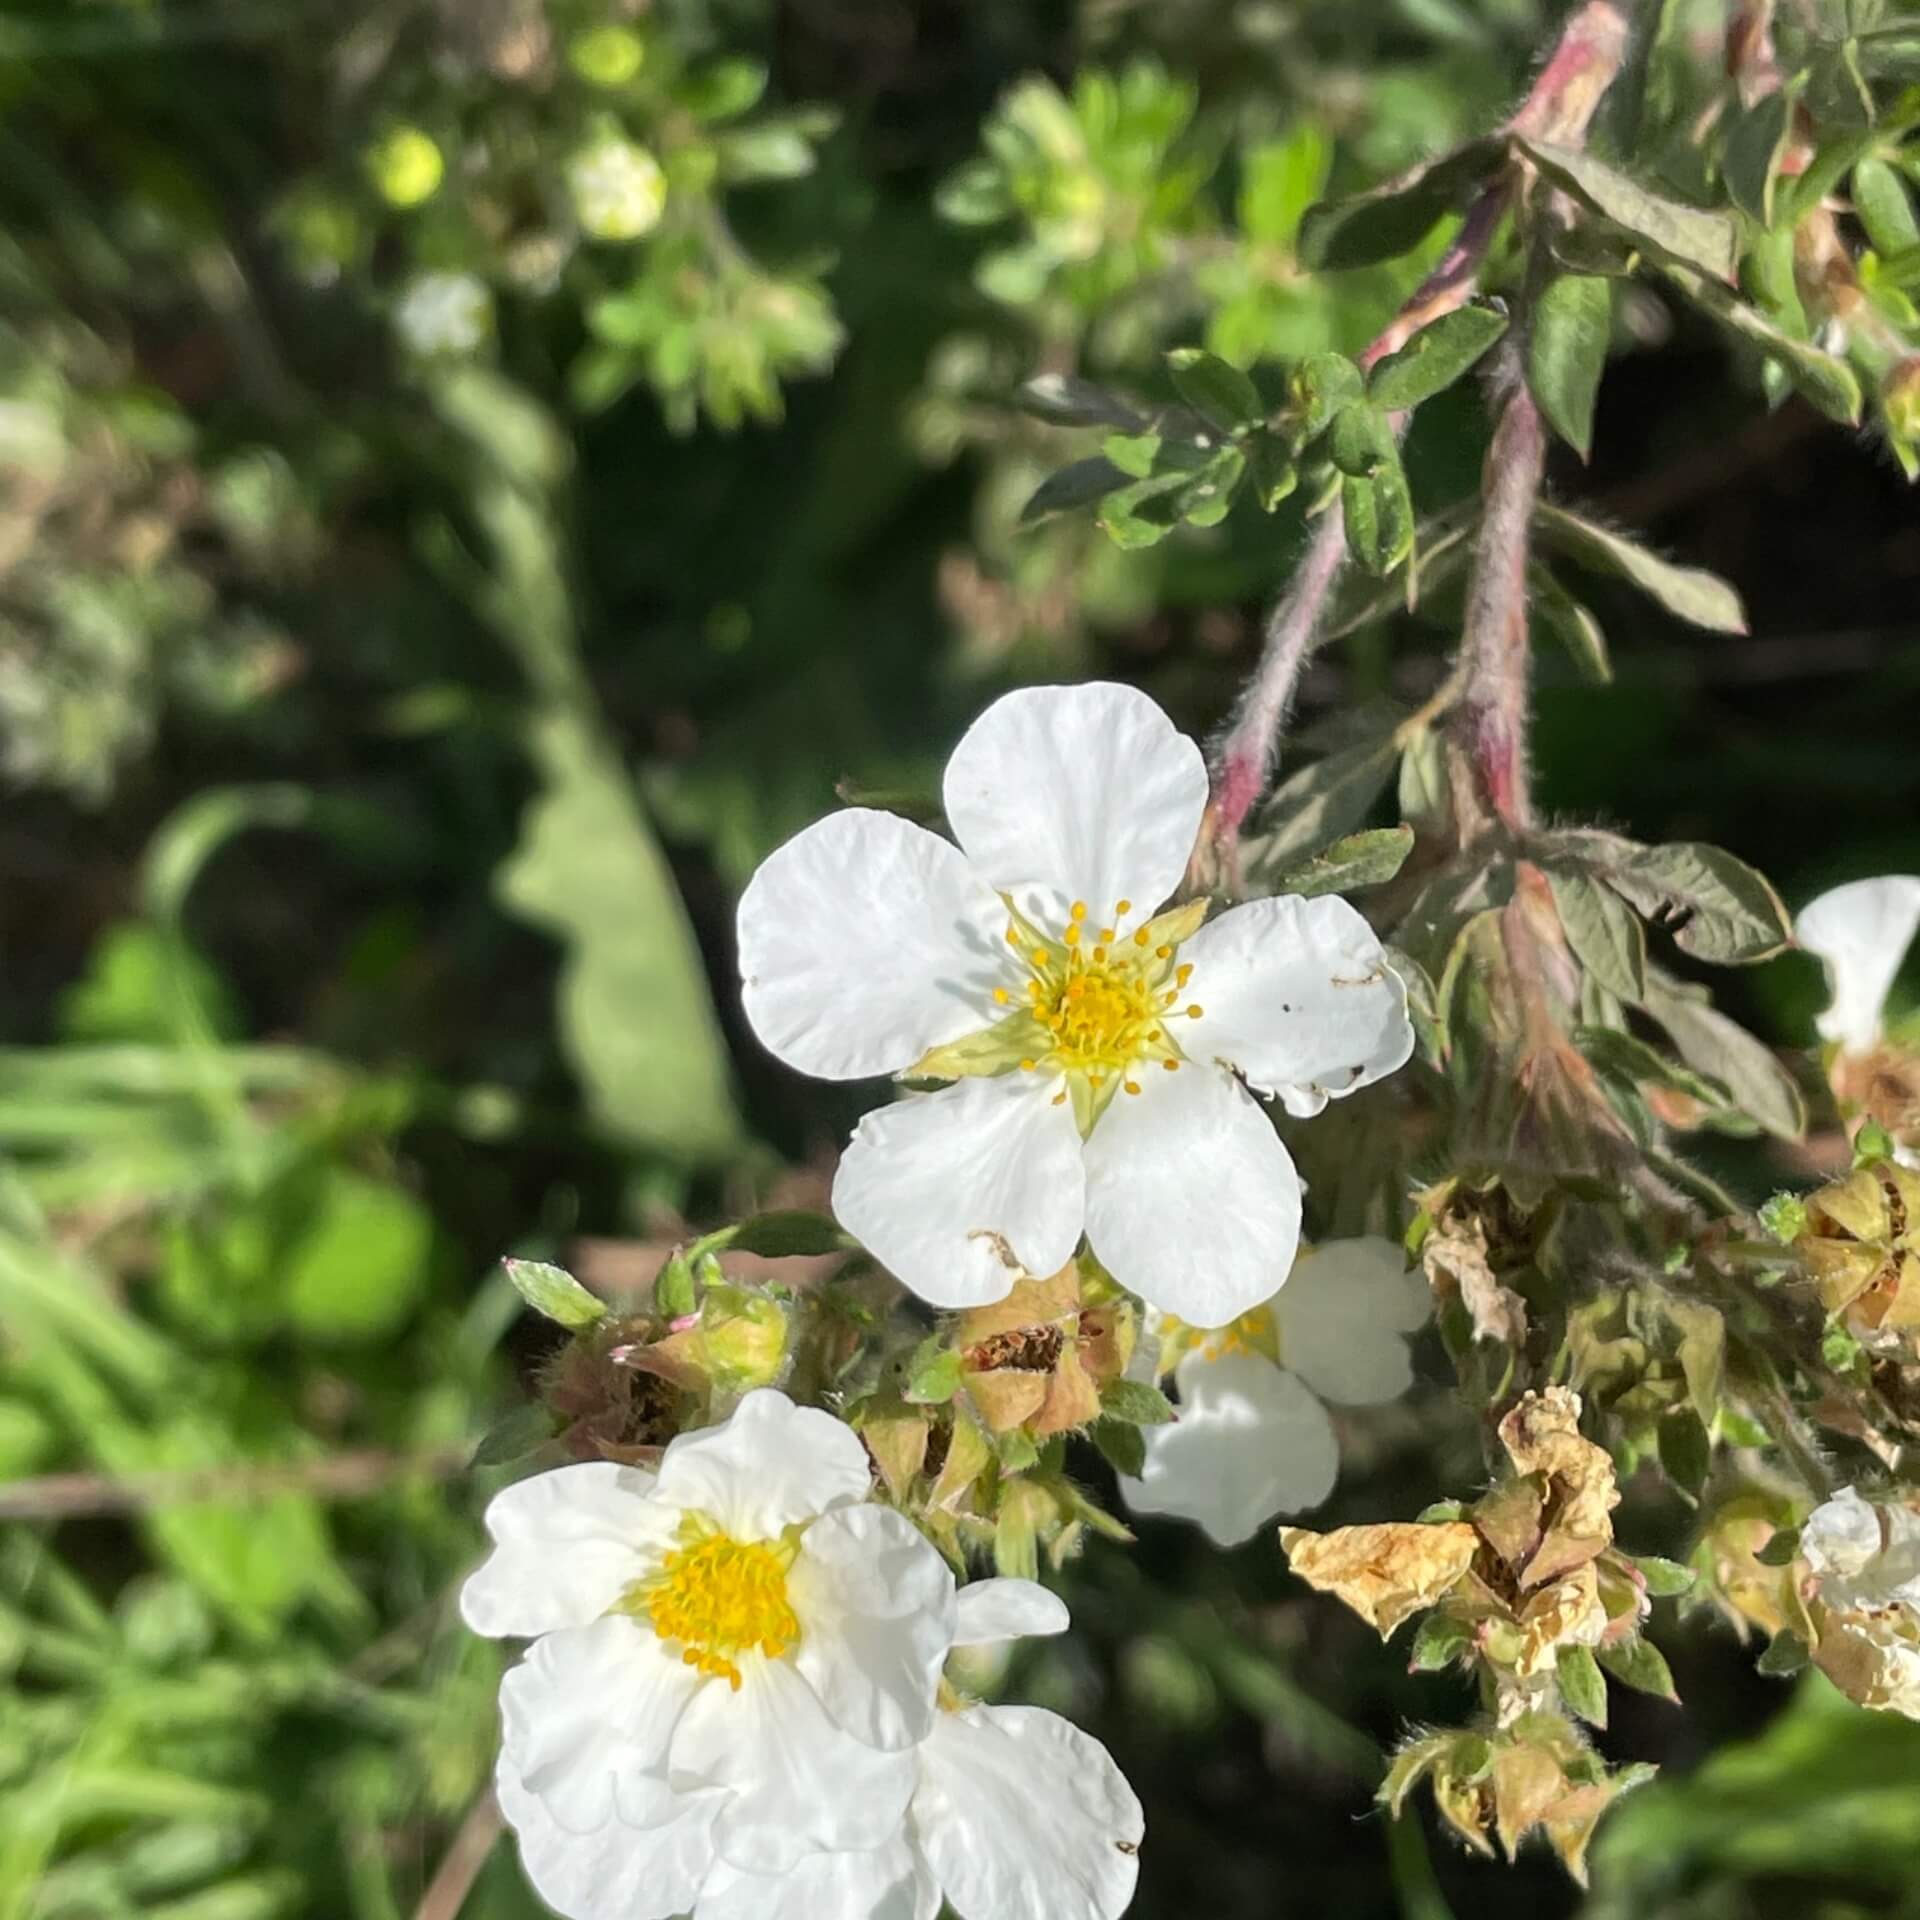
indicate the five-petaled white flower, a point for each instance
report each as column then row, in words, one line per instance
column 1016, row 1814
column 733, row 1660
column 1863, row 1556
column 618, row 189
column 444, row 313
column 1095, row 1043
column 1252, row 1440
column 1862, row 932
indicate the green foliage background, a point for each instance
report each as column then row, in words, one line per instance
column 389, row 732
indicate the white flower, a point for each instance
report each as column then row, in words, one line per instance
column 1252, row 1440
column 1863, row 1557
column 1093, row 1043
column 618, row 190
column 1861, row 931
column 732, row 1660
column 444, row 313
column 1016, row 1815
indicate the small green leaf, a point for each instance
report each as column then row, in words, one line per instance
column 1666, row 1579
column 1721, row 910
column 1272, row 470
column 554, row 1293
column 1756, row 144
column 1068, row 401
column 1603, row 931
column 1361, row 440
column 1782, row 1549
column 1123, row 1447
column 1359, row 860
column 933, row 1374
column 1709, row 242
column 1318, row 389
column 1572, row 623
column 1133, row 453
column 787, row 1232
column 1214, row 389
column 1885, row 207
column 1437, row 1642
column 1567, row 353
column 1379, row 517
column 1581, row 1685
column 1136, row 1403
column 1690, row 594
column 1435, row 357
column 1712, row 1044
column 1686, row 1451
column 1143, row 514
column 1786, row 1655
column 1639, row 1664
column 1078, row 485
column 1821, row 377
column 1313, row 806
column 1398, row 214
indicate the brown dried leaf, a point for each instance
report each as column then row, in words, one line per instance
column 1542, row 1435
column 1526, row 1782
column 1007, row 1397
column 1386, row 1574
column 1509, row 1518
column 1456, row 1262
column 1051, row 1302
column 1072, row 1401
column 1567, row 1613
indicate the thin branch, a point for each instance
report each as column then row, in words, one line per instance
column 337, row 1476
column 1559, row 106
column 460, row 1865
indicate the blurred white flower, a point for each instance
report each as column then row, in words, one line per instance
column 732, row 1661
column 1096, row 1048
column 1862, row 1555
column 1253, row 1440
column 1016, row 1814
column 444, row 313
column 1862, row 932
column 618, row 190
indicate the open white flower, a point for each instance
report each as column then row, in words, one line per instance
column 1096, row 1045
column 444, row 313
column 732, row 1660
column 1862, row 1555
column 1016, row 1814
column 618, row 189
column 1862, row 932
column 1253, row 1440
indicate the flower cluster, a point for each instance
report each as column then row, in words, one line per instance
column 1862, row 1591
column 734, row 1702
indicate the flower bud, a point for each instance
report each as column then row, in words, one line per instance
column 406, row 167
column 1900, row 397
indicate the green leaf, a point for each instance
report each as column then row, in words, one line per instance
column 1280, row 180
column 1822, row 378
column 1435, row 357
column 1712, row 1044
column 1639, row 1664
column 1703, row 1352
column 1272, row 469
column 1786, row 1654
column 1359, row 860
column 1133, row 453
column 1567, row 353
column 1317, row 804
column 1603, row 931
column 787, row 1232
column 675, row 1291
column 1885, row 207
column 1624, row 1057
column 1581, row 1686
column 1707, row 241
column 1686, row 1451
column 1123, row 1447
column 1719, row 908
column 359, row 1262
column 1068, row 401
column 1782, row 1549
column 1318, row 389
column 1572, row 623
column 589, row 869
column 1666, row 1579
column 1212, row 388
column 1361, row 440
column 1398, row 214
column 1700, row 598
column 1437, row 1642
column 1379, row 517
column 554, row 1293
column 1756, row 144
column 933, row 1374
column 1136, row 1403
column 1078, row 485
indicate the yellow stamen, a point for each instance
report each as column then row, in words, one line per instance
column 1132, row 1086
column 1172, row 1066
column 1072, row 934
column 1195, row 1011
column 1163, row 953
column 1079, row 910
column 719, row 1597
column 1122, row 907
column 1002, row 995
column 1139, row 936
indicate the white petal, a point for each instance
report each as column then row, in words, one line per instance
column 798, row 1784
column 1251, row 1443
column 1862, row 932
column 588, row 1718
column 1085, row 793
column 1344, row 1314
column 567, row 1545
column 864, row 941
column 614, row 1871
column 875, row 1606
column 1191, row 1199
column 766, row 1467
column 941, row 1187
column 1024, row 1817
column 1298, row 997
column 890, row 1882
column 993, row 1610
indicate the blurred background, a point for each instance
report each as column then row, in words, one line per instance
column 474, row 476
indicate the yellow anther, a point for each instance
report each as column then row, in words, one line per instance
column 1079, row 910
column 1013, row 936
column 719, row 1597
column 1139, row 936
column 1106, row 933
column 1163, row 953
column 1195, row 1011
column 1133, row 1086
column 1060, row 1098
column 1121, row 907
column 1181, row 975
column 1072, row 934
column 1100, row 953
column 1172, row 1066
column 1027, row 1066
column 1002, row 995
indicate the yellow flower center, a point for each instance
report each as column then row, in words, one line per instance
column 1256, row 1331
column 1104, row 997
column 719, row 1597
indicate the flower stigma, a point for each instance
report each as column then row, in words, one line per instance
column 719, row 1597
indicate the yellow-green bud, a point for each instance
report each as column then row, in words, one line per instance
column 1900, row 397
column 607, row 56
column 406, row 166
column 743, row 1337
